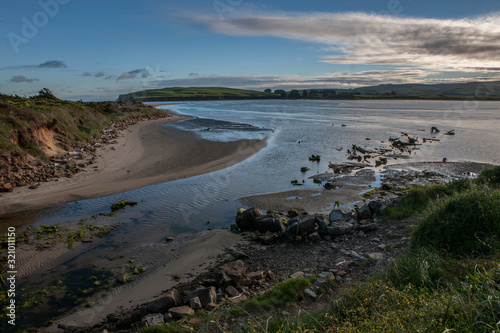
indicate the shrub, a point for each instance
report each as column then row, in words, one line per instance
column 490, row 177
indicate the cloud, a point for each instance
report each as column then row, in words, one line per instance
column 99, row 74
column 143, row 73
column 329, row 80
column 53, row 64
column 87, row 74
column 21, row 78
column 359, row 38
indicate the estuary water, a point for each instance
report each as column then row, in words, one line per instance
column 294, row 130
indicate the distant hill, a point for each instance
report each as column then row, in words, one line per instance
column 454, row 91
column 193, row 94
column 469, row 89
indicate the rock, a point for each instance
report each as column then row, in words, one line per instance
column 302, row 224
column 322, row 221
column 231, row 291
column 122, row 278
column 162, row 304
column 364, row 212
column 314, row 237
column 271, row 223
column 153, row 319
column 195, row 303
column 7, row 187
column 374, row 206
column 326, row 275
column 375, row 256
column 211, row 306
column 234, row 271
column 270, row 275
column 368, row 227
column 297, row 275
column 195, row 321
column 246, row 218
column 340, row 214
column 205, row 295
column 310, row 293
column 320, row 282
column 254, row 276
column 169, row 239
column 268, row 238
column 181, row 311
column 339, row 228
column 238, row 254
column 168, row 317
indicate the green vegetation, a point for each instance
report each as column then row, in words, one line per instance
column 24, row 122
column 452, row 91
column 448, row 280
column 204, row 93
column 121, row 205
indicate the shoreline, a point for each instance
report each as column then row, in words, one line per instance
column 145, row 154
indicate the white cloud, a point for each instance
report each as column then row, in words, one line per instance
column 358, row 38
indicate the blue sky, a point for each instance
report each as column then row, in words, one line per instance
column 96, row 50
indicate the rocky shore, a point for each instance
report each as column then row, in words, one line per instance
column 67, row 164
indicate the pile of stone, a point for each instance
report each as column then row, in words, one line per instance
column 268, row 228
column 230, row 283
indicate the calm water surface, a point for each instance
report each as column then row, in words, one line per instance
column 295, row 130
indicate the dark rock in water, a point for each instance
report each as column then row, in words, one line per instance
column 272, row 223
column 304, row 169
column 322, row 221
column 317, row 181
column 246, row 219
column 234, row 273
column 340, row 214
column 340, row 228
column 329, row 186
column 302, row 224
column 364, row 212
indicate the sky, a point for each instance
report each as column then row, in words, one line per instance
column 96, row 50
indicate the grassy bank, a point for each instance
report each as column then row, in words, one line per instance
column 27, row 124
column 448, row 279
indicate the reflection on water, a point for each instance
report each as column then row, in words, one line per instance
column 295, row 130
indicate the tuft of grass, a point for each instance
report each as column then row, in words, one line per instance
column 463, row 224
column 283, row 294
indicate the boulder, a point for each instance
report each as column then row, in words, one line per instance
column 153, row 320
column 322, row 221
column 340, row 228
column 374, row 206
column 297, row 275
column 7, row 187
column 364, row 213
column 195, row 303
column 340, row 214
column 311, row 293
column 302, row 224
column 231, row 291
column 205, row 295
column 181, row 311
column 246, row 218
column 162, row 304
column 234, row 272
column 271, row 223
column 255, row 276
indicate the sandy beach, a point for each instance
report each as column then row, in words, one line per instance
column 145, row 154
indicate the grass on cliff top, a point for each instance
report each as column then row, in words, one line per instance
column 447, row 281
column 200, row 92
column 73, row 122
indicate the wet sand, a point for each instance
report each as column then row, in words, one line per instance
column 146, row 154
